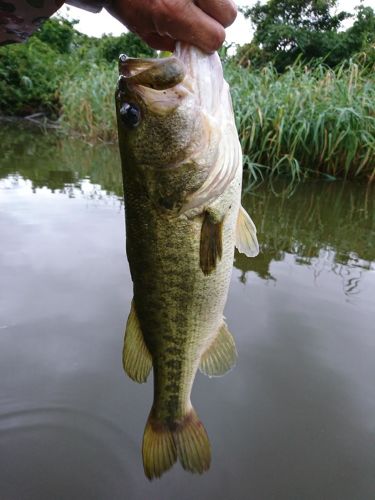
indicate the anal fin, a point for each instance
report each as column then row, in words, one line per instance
column 221, row 355
column 136, row 358
column 246, row 234
column 211, row 244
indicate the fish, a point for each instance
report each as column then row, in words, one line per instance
column 182, row 173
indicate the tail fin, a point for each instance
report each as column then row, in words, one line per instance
column 158, row 449
column 192, row 443
column 186, row 440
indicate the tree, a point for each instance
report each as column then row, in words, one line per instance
column 288, row 29
column 57, row 33
column 361, row 36
column 110, row 47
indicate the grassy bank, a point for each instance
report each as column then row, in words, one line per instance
column 305, row 122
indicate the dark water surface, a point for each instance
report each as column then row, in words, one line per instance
column 295, row 420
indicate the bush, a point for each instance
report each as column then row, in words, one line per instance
column 32, row 74
column 58, row 34
column 28, row 80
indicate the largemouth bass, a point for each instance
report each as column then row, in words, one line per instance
column 182, row 172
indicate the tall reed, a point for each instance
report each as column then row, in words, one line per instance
column 88, row 103
column 305, row 122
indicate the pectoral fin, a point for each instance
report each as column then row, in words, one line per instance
column 136, row 358
column 246, row 234
column 221, row 355
column 211, row 245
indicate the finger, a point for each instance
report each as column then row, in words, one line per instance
column 190, row 24
column 158, row 42
column 224, row 11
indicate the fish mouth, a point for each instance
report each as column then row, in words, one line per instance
column 159, row 84
column 157, row 74
column 187, row 71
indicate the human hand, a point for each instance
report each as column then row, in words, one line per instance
column 160, row 23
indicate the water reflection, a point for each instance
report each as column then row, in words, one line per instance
column 49, row 160
column 293, row 420
column 329, row 227
column 325, row 225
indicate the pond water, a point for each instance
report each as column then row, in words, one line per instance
column 294, row 420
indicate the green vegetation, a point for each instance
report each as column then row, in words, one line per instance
column 302, row 123
column 303, row 113
column 33, row 74
column 306, row 121
column 88, row 104
column 306, row 30
column 28, row 79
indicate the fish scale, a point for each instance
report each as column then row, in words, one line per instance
column 182, row 172
column 181, row 303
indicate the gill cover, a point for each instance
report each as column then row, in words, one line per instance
column 162, row 84
column 212, row 94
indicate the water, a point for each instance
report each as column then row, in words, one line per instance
column 294, row 420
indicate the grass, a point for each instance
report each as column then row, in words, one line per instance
column 303, row 123
column 306, row 122
column 88, row 104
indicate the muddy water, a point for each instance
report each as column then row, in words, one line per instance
column 294, row 420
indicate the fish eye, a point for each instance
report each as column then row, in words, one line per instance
column 130, row 115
